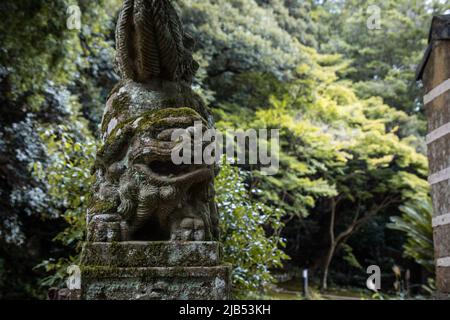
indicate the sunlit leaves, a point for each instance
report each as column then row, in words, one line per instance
column 68, row 181
column 250, row 232
column 415, row 222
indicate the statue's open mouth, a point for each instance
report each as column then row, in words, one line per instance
column 169, row 173
column 169, row 169
column 154, row 157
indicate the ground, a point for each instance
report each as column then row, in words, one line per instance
column 293, row 290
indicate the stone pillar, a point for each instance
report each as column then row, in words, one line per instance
column 153, row 224
column 435, row 73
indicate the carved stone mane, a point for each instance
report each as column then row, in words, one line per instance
column 151, row 43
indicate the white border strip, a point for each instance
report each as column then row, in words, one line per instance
column 439, row 176
column 436, row 92
column 443, row 262
column 441, row 220
column 438, row 133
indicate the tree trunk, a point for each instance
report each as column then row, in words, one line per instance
column 327, row 267
column 343, row 236
column 332, row 245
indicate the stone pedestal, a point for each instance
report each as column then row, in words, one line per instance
column 154, row 271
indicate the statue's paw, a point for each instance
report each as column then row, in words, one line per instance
column 190, row 229
column 199, row 235
column 104, row 228
column 181, row 235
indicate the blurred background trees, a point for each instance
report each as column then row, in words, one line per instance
column 352, row 125
column 49, row 76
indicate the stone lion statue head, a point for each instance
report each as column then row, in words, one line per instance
column 139, row 194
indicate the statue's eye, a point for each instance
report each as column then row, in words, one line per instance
column 116, row 170
column 165, row 135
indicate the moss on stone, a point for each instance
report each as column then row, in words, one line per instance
column 116, row 88
column 153, row 277
column 161, row 118
column 152, row 120
column 119, row 106
column 114, row 144
column 152, row 254
column 103, row 207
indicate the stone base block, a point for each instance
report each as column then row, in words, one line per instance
column 151, row 254
column 441, row 296
column 154, row 271
column 158, row 283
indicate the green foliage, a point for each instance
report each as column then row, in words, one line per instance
column 250, row 233
column 383, row 61
column 26, row 52
column 247, row 35
column 49, row 75
column 350, row 258
column 68, row 178
column 415, row 223
column 244, row 36
column 345, row 111
column 337, row 145
column 334, row 144
column 39, row 50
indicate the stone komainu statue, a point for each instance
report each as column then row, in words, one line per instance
column 139, row 194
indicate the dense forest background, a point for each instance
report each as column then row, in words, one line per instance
column 337, row 80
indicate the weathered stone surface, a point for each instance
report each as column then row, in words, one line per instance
column 439, row 153
column 435, row 72
column 151, row 43
column 441, row 236
column 154, row 270
column 174, row 283
column 443, row 279
column 441, row 296
column 63, row 294
column 139, row 193
column 441, row 197
column 438, row 111
column 151, row 254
